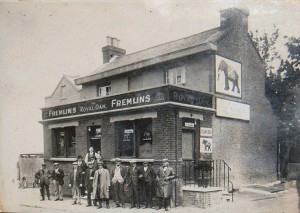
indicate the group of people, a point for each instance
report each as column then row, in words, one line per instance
column 91, row 177
column 44, row 175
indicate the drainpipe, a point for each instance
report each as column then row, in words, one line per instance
column 176, row 155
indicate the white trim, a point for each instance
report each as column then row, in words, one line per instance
column 190, row 115
column 64, row 124
column 194, row 188
column 63, row 159
column 131, row 108
column 133, row 116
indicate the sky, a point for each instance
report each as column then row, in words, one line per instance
column 40, row 41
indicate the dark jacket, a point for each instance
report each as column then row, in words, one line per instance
column 78, row 179
column 43, row 176
column 89, row 173
column 148, row 176
column 59, row 176
column 123, row 172
column 83, row 167
column 133, row 176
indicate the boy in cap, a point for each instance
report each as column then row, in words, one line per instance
column 101, row 184
column 165, row 176
column 118, row 174
column 58, row 181
column 43, row 175
column 147, row 177
column 133, row 183
column 75, row 183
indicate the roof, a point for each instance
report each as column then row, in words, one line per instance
column 203, row 40
column 70, row 79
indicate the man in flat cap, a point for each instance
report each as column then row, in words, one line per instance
column 147, row 176
column 82, row 167
column 75, row 183
column 133, row 183
column 43, row 175
column 58, row 181
column 89, row 179
column 101, row 184
column 118, row 174
column 165, row 176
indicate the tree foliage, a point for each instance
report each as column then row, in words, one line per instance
column 282, row 83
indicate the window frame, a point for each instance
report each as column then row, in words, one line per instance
column 138, row 126
column 63, row 92
column 173, row 79
column 68, row 132
column 106, row 90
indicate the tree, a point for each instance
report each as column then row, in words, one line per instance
column 282, row 87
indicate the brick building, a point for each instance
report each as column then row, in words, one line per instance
column 199, row 98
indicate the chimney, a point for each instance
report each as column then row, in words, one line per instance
column 234, row 18
column 112, row 49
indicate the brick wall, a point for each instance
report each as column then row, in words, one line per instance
column 202, row 198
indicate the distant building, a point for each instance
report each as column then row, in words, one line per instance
column 195, row 99
column 28, row 165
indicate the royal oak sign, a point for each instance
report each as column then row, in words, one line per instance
column 141, row 98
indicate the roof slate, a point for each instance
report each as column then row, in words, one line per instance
column 156, row 51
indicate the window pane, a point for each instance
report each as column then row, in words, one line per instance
column 63, row 92
column 94, row 137
column 144, row 129
column 59, row 141
column 126, row 139
column 71, row 141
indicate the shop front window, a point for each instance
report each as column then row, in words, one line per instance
column 65, row 142
column 94, row 137
column 135, row 138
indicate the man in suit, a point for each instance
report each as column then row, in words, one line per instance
column 75, row 183
column 82, row 167
column 118, row 174
column 133, row 183
column 165, row 176
column 147, row 177
column 89, row 178
column 101, row 185
column 58, row 181
column 43, row 175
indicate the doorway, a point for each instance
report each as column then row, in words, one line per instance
column 188, row 145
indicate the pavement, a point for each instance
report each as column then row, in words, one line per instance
column 249, row 199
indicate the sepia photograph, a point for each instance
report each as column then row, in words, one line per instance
column 150, row 106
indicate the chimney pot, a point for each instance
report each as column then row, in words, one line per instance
column 234, row 18
column 112, row 49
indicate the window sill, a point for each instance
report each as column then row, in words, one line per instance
column 138, row 160
column 64, row 159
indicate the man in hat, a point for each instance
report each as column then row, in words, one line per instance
column 101, row 184
column 82, row 167
column 165, row 176
column 58, row 181
column 89, row 179
column 75, row 183
column 133, row 183
column 43, row 175
column 118, row 174
column 147, row 177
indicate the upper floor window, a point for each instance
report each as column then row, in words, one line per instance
column 175, row 75
column 63, row 92
column 104, row 90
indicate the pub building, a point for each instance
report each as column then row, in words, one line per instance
column 198, row 101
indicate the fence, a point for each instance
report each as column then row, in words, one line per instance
column 208, row 173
